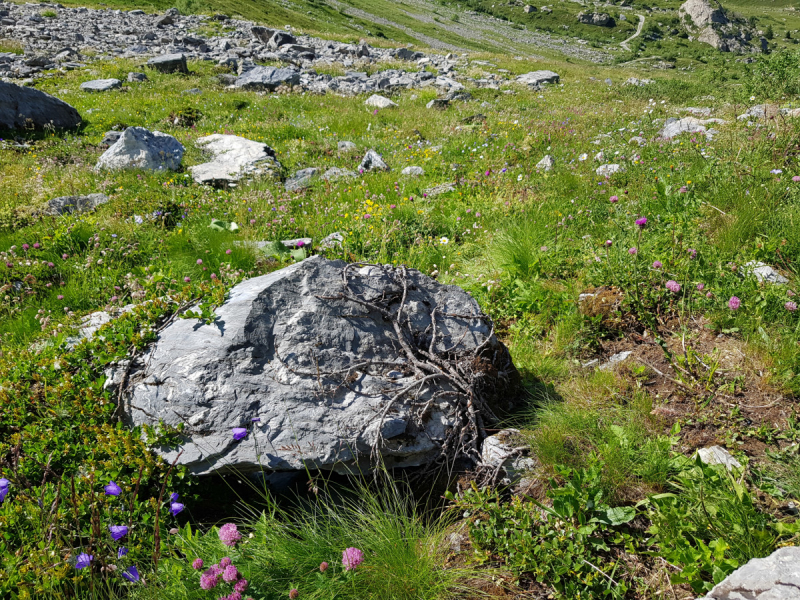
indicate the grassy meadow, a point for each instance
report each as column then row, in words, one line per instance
column 616, row 506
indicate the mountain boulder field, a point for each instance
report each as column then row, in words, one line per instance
column 400, row 300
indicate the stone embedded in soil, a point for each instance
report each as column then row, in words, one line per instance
column 138, row 148
column 372, row 162
column 279, row 350
column 546, row 164
column 235, row 158
column 169, row 63
column 75, row 204
column 717, row 455
column 763, row 273
column 101, row 85
column 22, row 107
column 609, row 170
column 776, row 577
column 378, row 101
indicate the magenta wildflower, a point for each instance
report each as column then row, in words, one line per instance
column 683, row 189
column 209, row 580
column 239, row 433
column 187, row 279
column 229, row 535
column 197, row 564
column 61, row 297
column 700, row 287
column 791, row 306
column 25, row 246
column 657, row 264
column 692, row 252
column 708, row 294
column 118, row 532
column 632, row 251
column 234, row 596
column 609, row 243
column 351, row 558
column 323, row 566
column 226, row 560
column 673, row 286
column 112, row 489
column 83, row 561
column 614, row 199
column 37, row 245
column 641, row 222
column 734, row 303
column 294, row 594
column 199, row 261
column 65, row 256
column 796, row 178
column 240, row 586
column 230, row 574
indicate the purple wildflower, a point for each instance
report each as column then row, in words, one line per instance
column 796, row 178
column 225, row 562
column 692, row 252
column 323, row 566
column 240, row 586
column 209, row 580
column 118, row 532
column 239, row 433
column 734, row 303
column 112, row 489
column 791, row 306
column 123, row 551
column 229, row 535
column 294, row 594
column 673, row 286
column 175, row 508
column 632, row 251
column 609, row 243
column 131, row 574
column 174, row 497
column 351, row 558
column 3, row 489
column 614, row 199
column 230, row 574
column 197, row 564
column 199, row 261
column 700, row 287
column 657, row 264
column 83, row 561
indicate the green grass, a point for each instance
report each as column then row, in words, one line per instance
column 524, row 243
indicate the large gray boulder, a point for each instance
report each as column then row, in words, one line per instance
column 267, row 78
column 138, row 148
column 372, row 161
column 234, row 158
column 776, row 577
column 314, row 379
column 537, row 78
column 593, row 18
column 22, row 107
column 169, row 63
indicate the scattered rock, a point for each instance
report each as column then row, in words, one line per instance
column 599, row 19
column 675, row 127
column 413, row 171
column 377, row 101
column 614, row 360
column 440, row 189
column 547, row 163
column 438, row 103
column 763, row 273
column 760, row 112
column 235, row 158
column 269, row 364
column 638, row 140
column 537, row 78
column 331, row 241
column 372, row 162
column 136, row 77
column 638, row 82
column 717, row 455
column 776, row 577
column 609, row 170
column 335, row 173
column 64, row 205
column 101, row 85
column 138, row 148
column 346, row 147
column 267, row 78
column 169, row 63
column 529, row 9
column 111, row 138
column 22, row 107
column 301, row 179
column 707, row 22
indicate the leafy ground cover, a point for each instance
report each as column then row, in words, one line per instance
column 616, row 506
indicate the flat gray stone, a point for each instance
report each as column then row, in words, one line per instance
column 763, row 273
column 346, row 146
column 267, row 78
column 546, row 164
column 101, row 85
column 609, row 170
column 21, row 107
column 138, row 148
column 776, row 577
column 169, row 63
column 378, row 101
column 537, row 78
column 234, row 158
column 278, row 352
column 134, row 77
column 335, row 173
column 301, row 179
column 75, row 204
column 413, row 171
